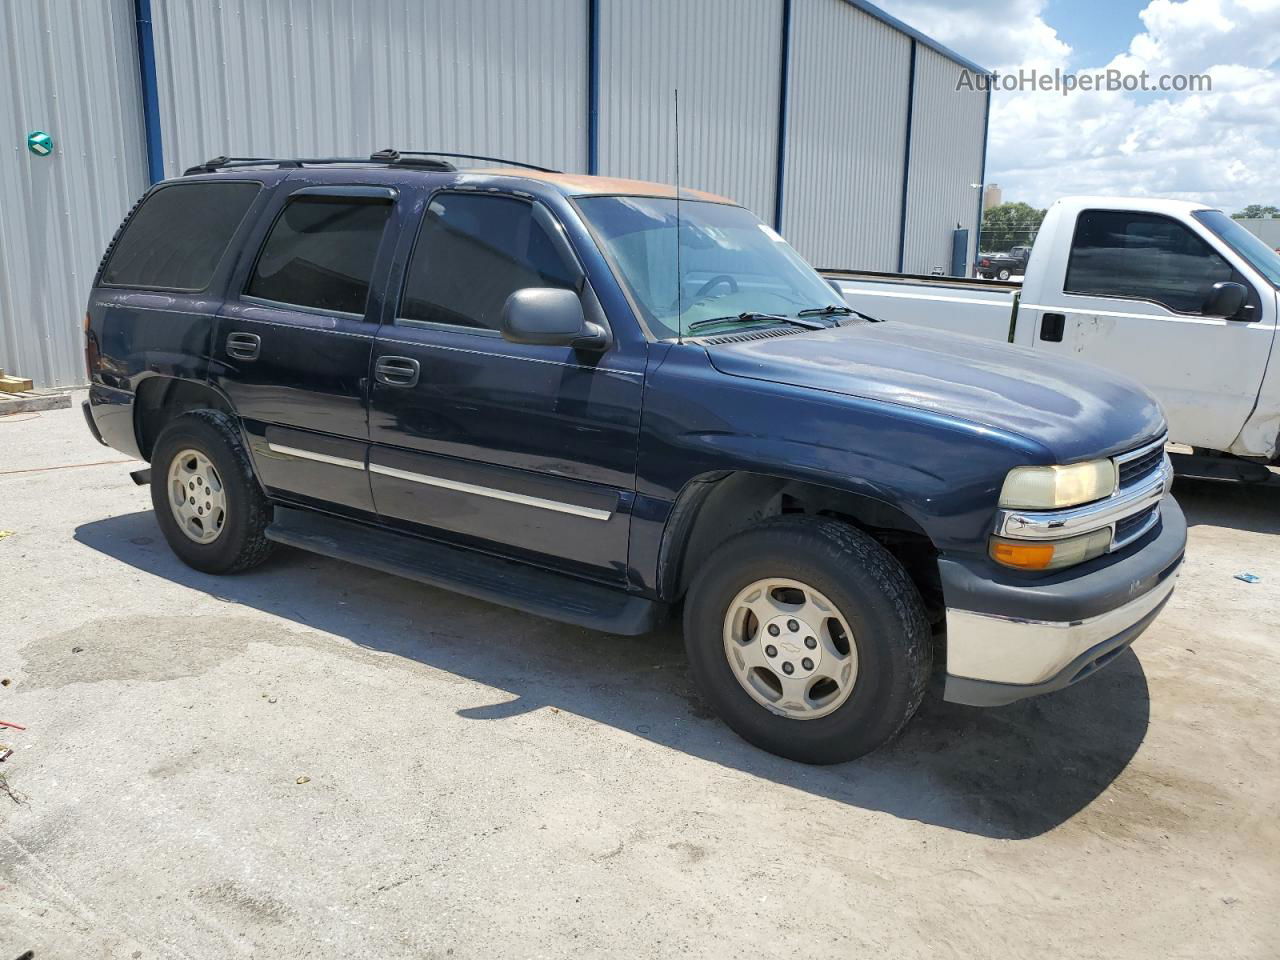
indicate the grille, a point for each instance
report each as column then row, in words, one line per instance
column 1139, row 468
column 1129, row 527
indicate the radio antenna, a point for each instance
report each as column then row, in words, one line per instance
column 679, row 274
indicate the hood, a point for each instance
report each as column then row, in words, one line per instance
column 1074, row 409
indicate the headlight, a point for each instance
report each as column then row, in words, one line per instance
column 1048, row 488
column 1050, row 554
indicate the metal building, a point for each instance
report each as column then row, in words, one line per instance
column 840, row 125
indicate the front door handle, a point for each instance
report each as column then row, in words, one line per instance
column 396, row 371
column 1052, row 326
column 244, row 346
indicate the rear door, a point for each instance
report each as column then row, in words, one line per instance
column 293, row 344
column 1133, row 288
column 523, row 450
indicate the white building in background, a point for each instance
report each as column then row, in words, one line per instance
column 830, row 119
column 1265, row 229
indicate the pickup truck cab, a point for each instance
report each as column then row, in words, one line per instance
column 1174, row 294
column 596, row 400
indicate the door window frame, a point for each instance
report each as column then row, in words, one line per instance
column 544, row 216
column 388, row 195
column 1236, row 275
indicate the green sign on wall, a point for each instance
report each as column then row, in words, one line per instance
column 39, row 143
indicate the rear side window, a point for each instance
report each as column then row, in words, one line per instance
column 1142, row 256
column 177, row 237
column 473, row 253
column 320, row 253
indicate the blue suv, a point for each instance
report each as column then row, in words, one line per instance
column 599, row 400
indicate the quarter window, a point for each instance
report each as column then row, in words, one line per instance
column 1140, row 256
column 175, row 240
column 473, row 253
column 320, row 253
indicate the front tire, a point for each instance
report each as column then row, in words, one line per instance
column 808, row 639
column 207, row 501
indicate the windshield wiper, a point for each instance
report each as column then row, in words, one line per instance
column 838, row 311
column 753, row 317
column 829, row 311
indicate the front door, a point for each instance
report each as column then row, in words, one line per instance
column 293, row 347
column 527, row 451
column 1134, row 286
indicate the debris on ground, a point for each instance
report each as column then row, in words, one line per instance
column 6, row 723
column 304, row 779
column 5, row 533
column 1249, row 577
column 77, row 649
column 5, row 752
column 4, row 682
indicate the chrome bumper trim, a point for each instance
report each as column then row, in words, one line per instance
column 1000, row 649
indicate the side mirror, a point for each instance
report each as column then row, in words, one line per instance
column 550, row 317
column 1226, row 299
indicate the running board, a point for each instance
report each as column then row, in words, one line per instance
column 1222, row 469
column 517, row 585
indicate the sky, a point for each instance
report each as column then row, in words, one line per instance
column 1220, row 146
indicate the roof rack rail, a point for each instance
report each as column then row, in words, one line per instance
column 224, row 163
column 408, row 158
column 392, row 155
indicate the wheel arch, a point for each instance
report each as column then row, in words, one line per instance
column 159, row 399
column 713, row 507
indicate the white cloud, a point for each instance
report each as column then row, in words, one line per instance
column 1220, row 146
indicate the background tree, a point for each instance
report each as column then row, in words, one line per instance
column 1010, row 225
column 1256, row 211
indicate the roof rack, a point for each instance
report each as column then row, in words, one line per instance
column 406, row 158
column 391, row 155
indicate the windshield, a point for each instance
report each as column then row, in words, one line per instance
column 1260, row 256
column 730, row 262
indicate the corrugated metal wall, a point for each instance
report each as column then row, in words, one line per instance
column 725, row 57
column 69, row 69
column 846, row 136
column 946, row 160
column 502, row 77
column 347, row 77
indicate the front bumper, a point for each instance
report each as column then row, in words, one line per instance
column 1014, row 640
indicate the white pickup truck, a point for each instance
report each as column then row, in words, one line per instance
column 1176, row 295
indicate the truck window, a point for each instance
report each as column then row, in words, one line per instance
column 1142, row 256
column 175, row 240
column 472, row 253
column 320, row 253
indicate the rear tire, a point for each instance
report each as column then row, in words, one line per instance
column 205, row 446
column 849, row 579
column 1005, row 274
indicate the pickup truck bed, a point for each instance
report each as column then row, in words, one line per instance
column 980, row 308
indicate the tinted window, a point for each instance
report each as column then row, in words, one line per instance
column 176, row 238
column 320, row 253
column 1144, row 257
column 472, row 254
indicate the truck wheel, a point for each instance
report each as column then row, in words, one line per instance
column 1004, row 273
column 207, row 501
column 808, row 639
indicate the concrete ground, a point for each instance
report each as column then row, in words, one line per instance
column 486, row 784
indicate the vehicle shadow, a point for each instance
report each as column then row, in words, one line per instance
column 1013, row 772
column 1253, row 508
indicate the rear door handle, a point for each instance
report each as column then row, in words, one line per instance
column 1051, row 327
column 396, row 371
column 244, row 346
